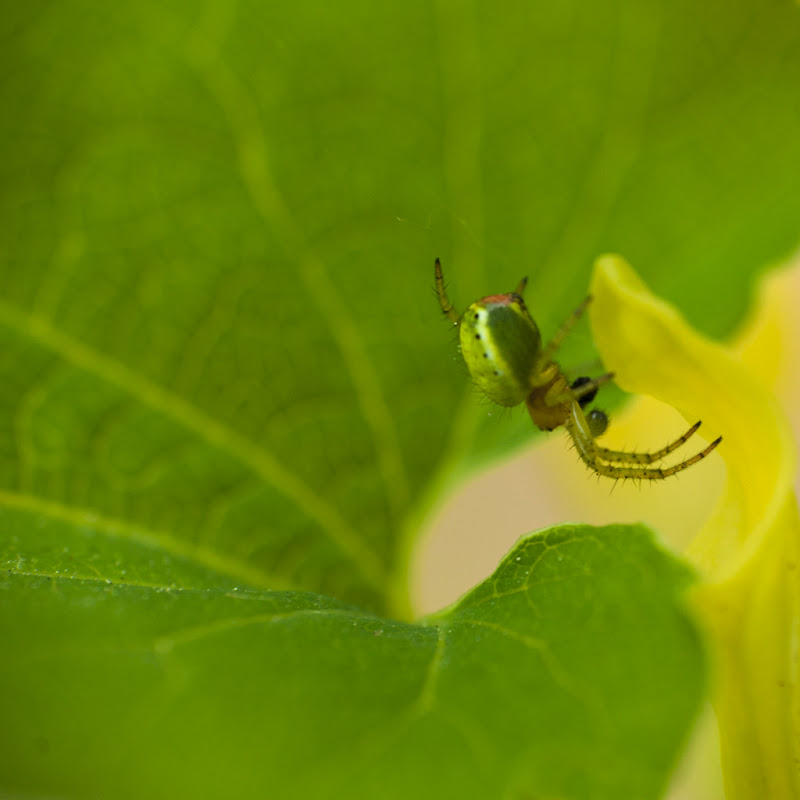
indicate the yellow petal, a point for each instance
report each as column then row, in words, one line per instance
column 747, row 552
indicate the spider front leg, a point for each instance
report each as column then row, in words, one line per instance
column 628, row 464
column 441, row 292
column 551, row 348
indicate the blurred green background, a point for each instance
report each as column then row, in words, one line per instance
column 218, row 227
column 220, row 352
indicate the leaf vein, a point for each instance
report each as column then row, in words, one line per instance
column 164, row 645
column 157, row 540
column 255, row 169
column 557, row 672
column 255, row 457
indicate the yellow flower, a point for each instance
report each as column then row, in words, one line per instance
column 748, row 553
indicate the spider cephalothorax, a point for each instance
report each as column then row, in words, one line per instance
column 502, row 348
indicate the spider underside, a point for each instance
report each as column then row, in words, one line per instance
column 513, row 367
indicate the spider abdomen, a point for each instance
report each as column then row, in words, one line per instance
column 501, row 346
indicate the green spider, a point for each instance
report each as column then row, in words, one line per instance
column 503, row 351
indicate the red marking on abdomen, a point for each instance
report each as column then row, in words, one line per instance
column 498, row 299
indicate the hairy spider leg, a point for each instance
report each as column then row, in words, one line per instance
column 441, row 292
column 583, row 430
column 552, row 346
column 626, row 456
column 634, row 457
column 595, row 457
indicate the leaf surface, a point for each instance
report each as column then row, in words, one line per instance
column 572, row 672
column 222, row 366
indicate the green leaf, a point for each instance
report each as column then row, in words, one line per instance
column 218, row 231
column 572, row 672
column 221, row 362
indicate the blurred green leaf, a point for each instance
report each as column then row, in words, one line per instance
column 572, row 672
column 221, row 359
column 218, row 228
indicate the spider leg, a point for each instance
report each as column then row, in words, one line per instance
column 586, row 386
column 594, row 458
column 552, row 346
column 560, row 392
column 632, row 457
column 441, row 293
